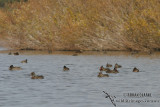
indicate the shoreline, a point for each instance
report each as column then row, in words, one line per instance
column 79, row 53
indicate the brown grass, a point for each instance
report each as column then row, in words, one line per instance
column 83, row 24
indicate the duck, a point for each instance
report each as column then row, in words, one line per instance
column 104, row 69
column 37, row 77
column 135, row 69
column 113, row 71
column 117, row 66
column 16, row 53
column 9, row 53
column 14, row 68
column 108, row 65
column 24, row 61
column 79, row 51
column 102, row 75
column 75, row 54
column 34, row 76
column 65, row 68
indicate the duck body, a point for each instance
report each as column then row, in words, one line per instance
column 79, row 51
column 108, row 65
column 104, row 69
column 135, row 69
column 102, row 75
column 16, row 53
column 113, row 71
column 37, row 77
column 65, row 68
column 14, row 68
column 75, row 54
column 9, row 53
column 117, row 66
column 34, row 76
column 24, row 61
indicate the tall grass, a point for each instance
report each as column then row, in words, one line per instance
column 83, row 24
column 4, row 2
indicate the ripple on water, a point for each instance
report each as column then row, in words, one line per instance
column 78, row 87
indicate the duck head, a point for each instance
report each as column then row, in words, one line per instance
column 101, row 68
column 11, row 66
column 33, row 74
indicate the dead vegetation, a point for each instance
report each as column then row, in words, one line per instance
column 82, row 24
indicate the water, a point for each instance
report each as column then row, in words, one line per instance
column 79, row 87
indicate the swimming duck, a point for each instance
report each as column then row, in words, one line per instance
column 24, row 61
column 104, row 69
column 34, row 76
column 9, row 53
column 112, row 71
column 14, row 68
column 108, row 65
column 37, row 77
column 117, row 66
column 65, row 68
column 75, row 55
column 102, row 75
column 135, row 69
column 79, row 51
column 16, row 53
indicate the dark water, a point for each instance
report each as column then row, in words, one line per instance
column 79, row 87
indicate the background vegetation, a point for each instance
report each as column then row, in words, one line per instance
column 3, row 2
column 82, row 24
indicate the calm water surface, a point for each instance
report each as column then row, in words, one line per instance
column 79, row 87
